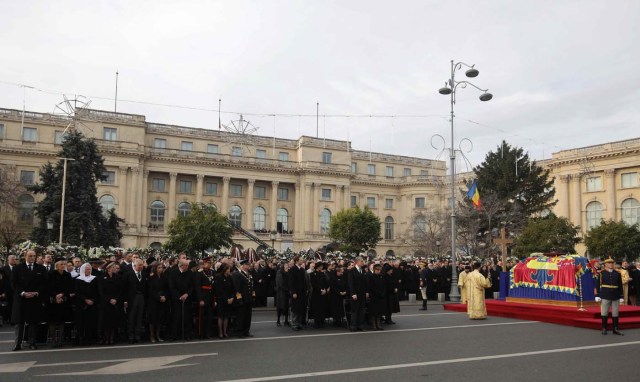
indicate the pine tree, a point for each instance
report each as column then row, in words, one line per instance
column 84, row 221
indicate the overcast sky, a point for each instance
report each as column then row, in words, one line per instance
column 564, row 74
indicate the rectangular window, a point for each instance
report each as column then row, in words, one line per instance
column 326, row 194
column 160, row 143
column 59, row 137
column 157, row 184
column 326, row 157
column 185, row 186
column 27, row 177
column 1, row 131
column 389, row 171
column 29, row 134
column 110, row 177
column 420, row 203
column 371, row 169
column 424, row 172
column 261, row 154
column 283, row 194
column 260, row 192
column 212, row 149
column 388, row 203
column 594, row 183
column 236, row 151
column 371, row 202
column 629, row 179
column 407, row 172
column 211, row 188
column 282, row 156
column 110, row 134
column 235, row 189
column 186, row 146
column 354, row 167
column 354, row 201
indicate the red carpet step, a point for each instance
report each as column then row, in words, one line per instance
column 590, row 318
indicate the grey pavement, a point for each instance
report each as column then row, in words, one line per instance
column 432, row 345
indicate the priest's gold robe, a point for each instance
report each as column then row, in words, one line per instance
column 625, row 284
column 476, row 284
column 462, row 284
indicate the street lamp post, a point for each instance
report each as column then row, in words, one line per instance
column 450, row 88
column 50, row 227
column 438, row 246
column 64, row 191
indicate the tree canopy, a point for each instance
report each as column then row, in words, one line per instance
column 615, row 239
column 546, row 234
column 202, row 229
column 84, row 221
column 355, row 229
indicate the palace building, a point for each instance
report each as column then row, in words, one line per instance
column 292, row 187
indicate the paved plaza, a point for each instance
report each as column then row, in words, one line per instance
column 423, row 346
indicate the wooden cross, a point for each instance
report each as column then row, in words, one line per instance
column 503, row 241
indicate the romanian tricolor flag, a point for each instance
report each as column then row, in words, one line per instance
column 474, row 195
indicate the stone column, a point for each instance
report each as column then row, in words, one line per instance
column 346, row 197
column 122, row 205
column 274, row 205
column 297, row 213
column 308, row 207
column 199, row 188
column 316, row 207
column 171, row 213
column 134, row 201
column 144, row 208
column 249, row 196
column 576, row 201
column 224, row 209
column 564, row 198
column 610, row 175
column 379, row 206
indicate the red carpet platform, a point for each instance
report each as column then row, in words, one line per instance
column 590, row 319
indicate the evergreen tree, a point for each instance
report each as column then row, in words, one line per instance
column 355, row 230
column 84, row 221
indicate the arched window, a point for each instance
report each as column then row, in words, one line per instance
column 283, row 220
column 259, row 217
column 419, row 227
column 389, row 254
column 631, row 211
column 157, row 212
column 156, row 245
column 25, row 209
column 388, row 228
column 594, row 214
column 235, row 215
column 184, row 209
column 325, row 219
column 108, row 203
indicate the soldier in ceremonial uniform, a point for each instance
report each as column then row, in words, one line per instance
column 609, row 294
column 204, row 283
column 245, row 294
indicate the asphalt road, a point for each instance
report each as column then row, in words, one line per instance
column 423, row 346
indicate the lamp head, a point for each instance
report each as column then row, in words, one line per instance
column 486, row 96
column 471, row 73
column 445, row 90
column 49, row 223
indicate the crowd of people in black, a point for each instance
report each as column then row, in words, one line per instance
column 128, row 299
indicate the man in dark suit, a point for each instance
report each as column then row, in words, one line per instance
column 298, row 290
column 135, row 283
column 243, row 284
column 182, row 287
column 29, row 291
column 7, row 270
column 357, row 281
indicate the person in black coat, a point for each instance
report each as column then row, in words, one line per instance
column 282, row 294
column 298, row 290
column 358, row 287
column 135, row 287
column 111, row 289
column 157, row 301
column 337, row 294
column 319, row 294
column 245, row 295
column 225, row 296
column 7, row 300
column 182, row 286
column 392, row 300
column 60, row 294
column 378, row 295
column 86, row 303
column 29, row 284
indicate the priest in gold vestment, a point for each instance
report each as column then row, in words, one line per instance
column 475, row 285
column 462, row 284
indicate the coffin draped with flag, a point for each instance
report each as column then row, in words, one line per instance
column 551, row 278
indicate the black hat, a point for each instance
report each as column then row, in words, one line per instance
column 192, row 264
column 95, row 260
column 320, row 264
column 206, row 259
column 151, row 260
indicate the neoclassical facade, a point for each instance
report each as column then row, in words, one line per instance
column 597, row 182
column 294, row 187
